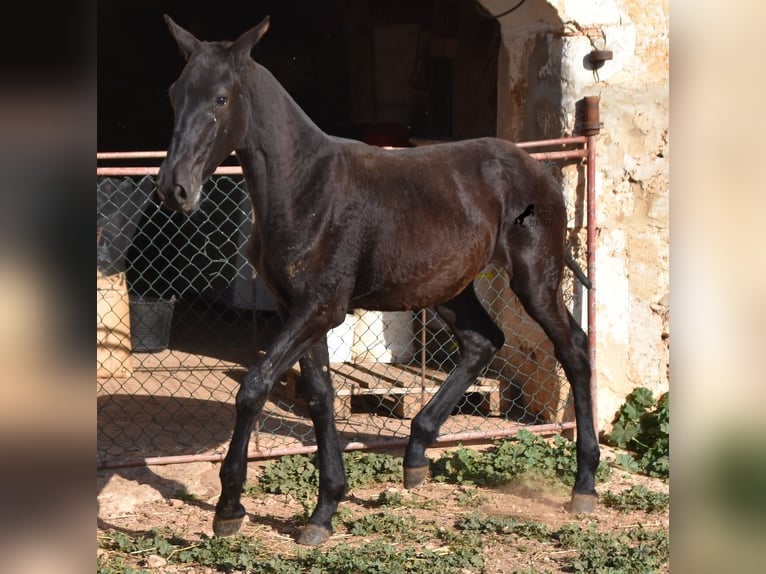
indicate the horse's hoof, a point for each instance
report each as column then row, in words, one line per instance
column 226, row 526
column 583, row 503
column 313, row 535
column 414, row 475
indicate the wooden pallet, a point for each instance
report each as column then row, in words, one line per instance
column 403, row 389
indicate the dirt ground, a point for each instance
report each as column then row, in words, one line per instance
column 166, row 408
column 135, row 500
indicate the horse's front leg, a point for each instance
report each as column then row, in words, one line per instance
column 315, row 375
column 301, row 330
column 251, row 397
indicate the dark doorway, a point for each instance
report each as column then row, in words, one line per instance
column 385, row 71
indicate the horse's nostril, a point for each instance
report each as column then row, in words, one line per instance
column 179, row 193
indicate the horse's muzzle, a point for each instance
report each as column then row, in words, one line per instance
column 176, row 195
column 179, row 195
column 175, row 198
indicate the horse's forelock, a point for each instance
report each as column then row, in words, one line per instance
column 211, row 63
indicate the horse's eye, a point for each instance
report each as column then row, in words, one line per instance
column 221, row 100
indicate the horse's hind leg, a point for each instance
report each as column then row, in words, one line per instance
column 479, row 339
column 544, row 302
column 315, row 375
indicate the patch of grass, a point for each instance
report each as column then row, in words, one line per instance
column 637, row 497
column 470, row 497
column 383, row 523
column 527, row 453
column 378, row 557
column 396, row 499
column 242, row 554
column 298, row 475
column 395, row 544
column 365, row 468
column 642, row 426
column 631, row 551
column 390, row 498
column 111, row 564
column 483, row 524
column 225, row 554
column 391, row 541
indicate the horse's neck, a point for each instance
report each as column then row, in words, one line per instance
column 279, row 146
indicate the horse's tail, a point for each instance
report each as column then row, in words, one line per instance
column 572, row 264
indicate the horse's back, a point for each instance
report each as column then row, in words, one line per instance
column 424, row 221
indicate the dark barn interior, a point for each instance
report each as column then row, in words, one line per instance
column 388, row 72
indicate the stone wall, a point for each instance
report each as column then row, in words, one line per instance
column 543, row 70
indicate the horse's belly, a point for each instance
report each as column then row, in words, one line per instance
column 423, row 287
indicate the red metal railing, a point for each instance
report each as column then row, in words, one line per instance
column 576, row 147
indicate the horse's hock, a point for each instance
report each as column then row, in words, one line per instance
column 529, row 375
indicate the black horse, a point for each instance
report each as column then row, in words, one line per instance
column 339, row 224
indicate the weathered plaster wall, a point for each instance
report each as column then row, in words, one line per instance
column 542, row 73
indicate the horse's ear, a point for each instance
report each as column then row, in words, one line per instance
column 185, row 40
column 242, row 45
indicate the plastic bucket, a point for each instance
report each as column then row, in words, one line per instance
column 150, row 321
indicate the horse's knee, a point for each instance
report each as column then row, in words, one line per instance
column 481, row 348
column 320, row 405
column 252, row 393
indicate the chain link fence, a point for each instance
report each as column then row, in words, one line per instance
column 181, row 316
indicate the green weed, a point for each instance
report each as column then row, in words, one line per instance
column 396, row 499
column 642, row 426
column 383, row 523
column 470, row 497
column 633, row 551
column 378, row 557
column 483, row 524
column 225, row 554
column 527, row 453
column 394, row 542
column 637, row 497
column 298, row 475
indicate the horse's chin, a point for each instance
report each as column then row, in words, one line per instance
column 191, row 206
column 190, row 210
column 187, row 208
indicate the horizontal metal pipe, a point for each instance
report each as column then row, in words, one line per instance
column 130, row 154
column 559, row 141
column 161, row 153
column 124, row 171
column 154, row 170
column 445, row 440
column 564, row 154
